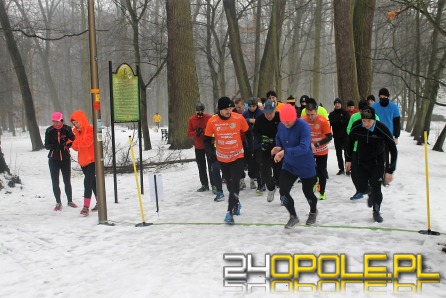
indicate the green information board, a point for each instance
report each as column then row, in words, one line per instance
column 125, row 95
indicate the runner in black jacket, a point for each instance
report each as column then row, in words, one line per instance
column 265, row 129
column 373, row 137
column 58, row 139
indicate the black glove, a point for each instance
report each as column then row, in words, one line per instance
column 199, row 131
column 267, row 143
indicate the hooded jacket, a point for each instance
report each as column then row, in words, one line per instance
column 84, row 142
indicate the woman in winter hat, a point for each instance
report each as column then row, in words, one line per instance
column 58, row 139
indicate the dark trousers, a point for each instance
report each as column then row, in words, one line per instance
column 254, row 159
column 371, row 172
column 321, row 171
column 340, row 145
column 216, row 175
column 286, row 182
column 89, row 180
column 232, row 172
column 63, row 166
column 201, row 158
column 270, row 178
column 354, row 174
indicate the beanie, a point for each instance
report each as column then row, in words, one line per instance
column 337, row 100
column 290, row 99
column 350, row 103
column 384, row 92
column 362, row 104
column 368, row 113
column 57, row 116
column 288, row 113
column 199, row 106
column 224, row 103
column 304, row 98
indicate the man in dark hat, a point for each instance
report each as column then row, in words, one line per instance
column 227, row 128
column 303, row 101
column 195, row 130
column 388, row 113
column 372, row 137
column 272, row 95
column 339, row 118
column 265, row 129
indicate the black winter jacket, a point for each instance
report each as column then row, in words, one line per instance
column 372, row 144
column 58, row 141
column 339, row 121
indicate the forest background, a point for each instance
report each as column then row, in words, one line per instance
column 189, row 51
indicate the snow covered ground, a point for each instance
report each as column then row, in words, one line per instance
column 44, row 253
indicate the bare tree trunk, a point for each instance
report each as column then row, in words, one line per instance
column 44, row 53
column 3, row 166
column 85, row 58
column 181, row 72
column 210, row 19
column 258, row 18
column 269, row 66
column 431, row 86
column 19, row 68
column 345, row 50
column 135, row 19
column 440, row 141
column 235, row 48
column 317, row 49
column 363, row 25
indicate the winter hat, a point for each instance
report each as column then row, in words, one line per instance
column 368, row 113
column 199, row 106
column 384, row 92
column 362, row 104
column 290, row 99
column 57, row 116
column 350, row 103
column 337, row 100
column 288, row 113
column 271, row 93
column 304, row 98
column 224, row 103
column 269, row 106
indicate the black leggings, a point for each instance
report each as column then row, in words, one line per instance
column 286, row 183
column 371, row 172
column 232, row 172
column 63, row 166
column 321, row 171
column 89, row 180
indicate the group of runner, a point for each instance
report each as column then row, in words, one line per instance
column 280, row 144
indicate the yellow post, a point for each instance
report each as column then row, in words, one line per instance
column 426, row 161
column 136, row 178
column 428, row 231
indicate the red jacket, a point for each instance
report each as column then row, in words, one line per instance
column 84, row 142
column 194, row 123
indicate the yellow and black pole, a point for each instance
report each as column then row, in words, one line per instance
column 426, row 162
column 138, row 189
column 97, row 121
